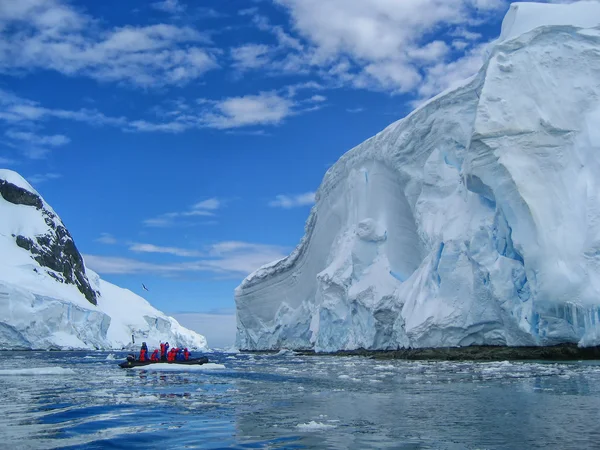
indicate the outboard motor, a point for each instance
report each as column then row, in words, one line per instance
column 130, row 358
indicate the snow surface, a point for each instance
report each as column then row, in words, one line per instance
column 37, row 311
column 474, row 220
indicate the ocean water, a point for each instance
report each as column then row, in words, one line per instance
column 84, row 400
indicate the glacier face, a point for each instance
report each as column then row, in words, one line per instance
column 474, row 220
column 49, row 299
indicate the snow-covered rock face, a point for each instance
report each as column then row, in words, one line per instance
column 49, row 299
column 54, row 250
column 474, row 220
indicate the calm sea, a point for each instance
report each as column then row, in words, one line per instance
column 84, row 400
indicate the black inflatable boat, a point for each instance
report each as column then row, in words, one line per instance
column 132, row 362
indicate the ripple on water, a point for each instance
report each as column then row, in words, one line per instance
column 281, row 401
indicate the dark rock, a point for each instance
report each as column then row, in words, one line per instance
column 562, row 352
column 19, row 196
column 54, row 250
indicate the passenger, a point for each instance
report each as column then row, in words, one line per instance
column 186, row 354
column 171, row 355
column 166, row 350
column 144, row 352
column 154, row 356
column 163, row 355
column 180, row 356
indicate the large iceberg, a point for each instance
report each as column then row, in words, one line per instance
column 474, row 220
column 50, row 300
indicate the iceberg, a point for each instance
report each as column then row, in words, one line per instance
column 49, row 299
column 475, row 220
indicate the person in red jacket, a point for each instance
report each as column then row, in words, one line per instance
column 162, row 352
column 154, row 356
column 144, row 352
column 186, row 354
column 171, row 355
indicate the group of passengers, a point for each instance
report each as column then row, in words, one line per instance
column 164, row 354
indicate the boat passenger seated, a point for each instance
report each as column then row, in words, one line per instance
column 155, row 357
column 186, row 354
column 144, row 352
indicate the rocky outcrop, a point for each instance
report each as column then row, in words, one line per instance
column 54, row 250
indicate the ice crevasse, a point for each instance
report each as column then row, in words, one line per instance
column 473, row 220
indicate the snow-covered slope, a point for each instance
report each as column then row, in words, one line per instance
column 474, row 220
column 49, row 299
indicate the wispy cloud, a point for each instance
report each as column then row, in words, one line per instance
column 53, row 35
column 34, row 146
column 169, row 6
column 107, row 238
column 43, row 177
column 229, row 259
column 205, row 208
column 151, row 248
column 355, row 110
column 293, row 201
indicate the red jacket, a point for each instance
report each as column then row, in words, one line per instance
column 142, row 355
column 162, row 349
column 171, row 355
column 186, row 354
column 154, row 356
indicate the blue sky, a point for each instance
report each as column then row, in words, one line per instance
column 182, row 141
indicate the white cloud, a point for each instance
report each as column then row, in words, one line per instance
column 355, row 110
column 219, row 329
column 266, row 108
column 52, row 35
column 222, row 259
column 205, row 208
column 250, row 56
column 52, row 141
column 380, row 45
column 210, row 204
column 293, row 201
column 107, row 238
column 150, row 248
column 169, row 6
column 34, row 146
column 43, row 177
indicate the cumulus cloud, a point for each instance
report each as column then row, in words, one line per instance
column 293, row 201
column 53, row 35
column 384, row 45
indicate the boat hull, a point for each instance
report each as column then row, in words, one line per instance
column 191, row 362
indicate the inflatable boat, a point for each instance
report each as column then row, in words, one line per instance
column 132, row 362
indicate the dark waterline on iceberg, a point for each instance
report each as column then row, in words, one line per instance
column 84, row 400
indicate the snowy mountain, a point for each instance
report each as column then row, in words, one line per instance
column 474, row 220
column 49, row 299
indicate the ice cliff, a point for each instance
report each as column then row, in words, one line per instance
column 50, row 300
column 474, row 220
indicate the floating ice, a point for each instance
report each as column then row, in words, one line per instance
column 37, row 371
column 314, row 426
